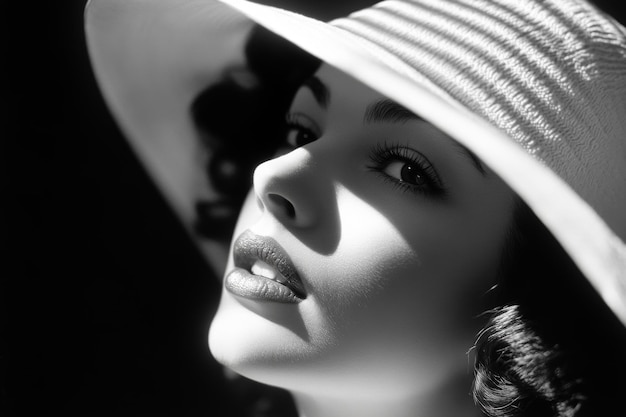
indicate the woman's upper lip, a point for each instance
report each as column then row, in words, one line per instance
column 250, row 247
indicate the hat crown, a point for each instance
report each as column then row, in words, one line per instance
column 551, row 74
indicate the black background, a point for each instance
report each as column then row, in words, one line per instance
column 104, row 303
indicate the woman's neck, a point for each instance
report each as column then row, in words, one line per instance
column 452, row 400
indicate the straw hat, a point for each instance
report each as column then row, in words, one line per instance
column 536, row 89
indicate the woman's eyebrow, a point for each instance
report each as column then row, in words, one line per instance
column 319, row 90
column 389, row 111
column 475, row 160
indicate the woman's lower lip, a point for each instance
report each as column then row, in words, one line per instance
column 254, row 287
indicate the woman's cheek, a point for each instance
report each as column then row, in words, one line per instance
column 380, row 283
column 370, row 255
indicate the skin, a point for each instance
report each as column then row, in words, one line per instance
column 394, row 273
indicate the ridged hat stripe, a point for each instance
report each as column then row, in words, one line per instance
column 516, row 42
column 474, row 92
column 515, row 63
column 433, row 70
column 510, row 68
column 504, row 49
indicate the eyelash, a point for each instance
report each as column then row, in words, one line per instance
column 384, row 154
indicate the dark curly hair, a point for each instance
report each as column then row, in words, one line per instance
column 550, row 348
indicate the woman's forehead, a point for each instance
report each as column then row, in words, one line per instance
column 335, row 80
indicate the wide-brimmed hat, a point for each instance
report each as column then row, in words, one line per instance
column 536, row 89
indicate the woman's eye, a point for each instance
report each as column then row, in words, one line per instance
column 407, row 172
column 298, row 136
column 406, row 169
column 300, row 130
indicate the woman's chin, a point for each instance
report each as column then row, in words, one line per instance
column 254, row 345
column 249, row 357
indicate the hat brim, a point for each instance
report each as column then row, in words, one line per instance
column 152, row 58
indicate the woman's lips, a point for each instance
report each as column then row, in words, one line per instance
column 263, row 271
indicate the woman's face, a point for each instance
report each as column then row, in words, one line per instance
column 385, row 234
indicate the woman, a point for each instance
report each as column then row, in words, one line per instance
column 450, row 169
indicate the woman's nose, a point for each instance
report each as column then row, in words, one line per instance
column 288, row 188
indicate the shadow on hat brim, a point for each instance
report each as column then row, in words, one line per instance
column 152, row 58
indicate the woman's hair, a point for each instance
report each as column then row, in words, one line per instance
column 550, row 346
